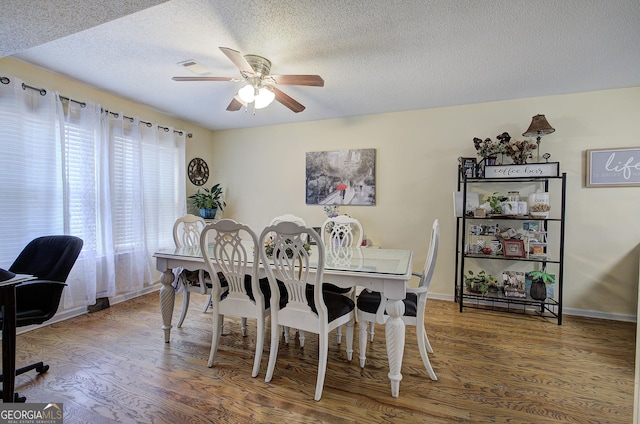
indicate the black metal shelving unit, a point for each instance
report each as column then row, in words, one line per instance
column 497, row 301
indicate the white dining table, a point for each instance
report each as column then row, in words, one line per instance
column 382, row 270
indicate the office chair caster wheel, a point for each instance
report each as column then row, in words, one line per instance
column 42, row 369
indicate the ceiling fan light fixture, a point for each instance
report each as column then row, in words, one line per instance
column 247, row 93
column 264, row 98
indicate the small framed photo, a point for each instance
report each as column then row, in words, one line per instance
column 317, row 230
column 531, row 226
column 468, row 167
column 513, row 248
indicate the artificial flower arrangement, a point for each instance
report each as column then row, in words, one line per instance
column 519, row 151
column 269, row 246
column 332, row 211
column 488, row 148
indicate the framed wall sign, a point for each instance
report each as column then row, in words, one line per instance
column 613, row 167
column 546, row 169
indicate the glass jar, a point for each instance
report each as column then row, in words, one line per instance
column 513, row 196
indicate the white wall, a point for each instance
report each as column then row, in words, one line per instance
column 263, row 172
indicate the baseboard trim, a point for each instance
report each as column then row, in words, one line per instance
column 565, row 311
column 81, row 310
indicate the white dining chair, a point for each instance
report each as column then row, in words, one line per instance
column 288, row 217
column 340, row 232
column 371, row 306
column 231, row 249
column 317, row 310
column 186, row 232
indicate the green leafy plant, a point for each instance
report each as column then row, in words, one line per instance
column 543, row 276
column 479, row 283
column 495, row 202
column 209, row 199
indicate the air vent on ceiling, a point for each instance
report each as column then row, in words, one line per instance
column 194, row 67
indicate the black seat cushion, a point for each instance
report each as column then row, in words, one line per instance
column 192, row 277
column 266, row 291
column 369, row 301
column 335, row 289
column 337, row 304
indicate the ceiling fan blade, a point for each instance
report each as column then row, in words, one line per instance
column 235, row 105
column 206, row 79
column 287, row 100
column 238, row 59
column 308, row 80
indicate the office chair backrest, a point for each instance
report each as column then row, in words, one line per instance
column 48, row 258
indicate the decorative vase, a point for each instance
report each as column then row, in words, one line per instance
column 519, row 159
column 490, row 160
column 208, row 213
column 538, row 290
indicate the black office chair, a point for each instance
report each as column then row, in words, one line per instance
column 50, row 259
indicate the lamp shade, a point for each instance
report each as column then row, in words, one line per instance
column 539, row 126
column 264, row 98
column 247, row 93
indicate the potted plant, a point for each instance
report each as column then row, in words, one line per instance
column 539, row 282
column 479, row 283
column 209, row 201
column 495, row 202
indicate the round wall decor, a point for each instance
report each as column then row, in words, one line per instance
column 198, row 171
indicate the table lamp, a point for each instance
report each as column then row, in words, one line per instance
column 539, row 127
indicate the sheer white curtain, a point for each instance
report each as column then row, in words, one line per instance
column 70, row 168
column 132, row 264
column 31, row 190
column 86, row 170
column 164, row 186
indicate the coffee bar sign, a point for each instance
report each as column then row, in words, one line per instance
column 547, row 169
column 613, row 167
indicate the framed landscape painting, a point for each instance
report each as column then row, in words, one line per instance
column 341, row 177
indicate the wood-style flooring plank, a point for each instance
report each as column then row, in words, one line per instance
column 113, row 366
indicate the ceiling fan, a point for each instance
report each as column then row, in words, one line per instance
column 260, row 89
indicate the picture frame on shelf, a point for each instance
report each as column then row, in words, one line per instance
column 531, row 226
column 513, row 248
column 468, row 167
column 513, row 284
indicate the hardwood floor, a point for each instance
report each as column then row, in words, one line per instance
column 113, row 366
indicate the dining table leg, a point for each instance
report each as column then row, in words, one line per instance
column 167, row 299
column 394, row 331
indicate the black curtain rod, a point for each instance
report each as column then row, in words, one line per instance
column 42, row 91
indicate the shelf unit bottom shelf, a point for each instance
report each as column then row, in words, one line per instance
column 493, row 301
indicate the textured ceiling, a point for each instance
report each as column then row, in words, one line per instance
column 375, row 56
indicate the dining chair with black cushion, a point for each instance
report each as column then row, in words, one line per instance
column 186, row 233
column 318, row 313
column 289, row 217
column 49, row 259
column 372, row 306
column 231, row 249
column 339, row 233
